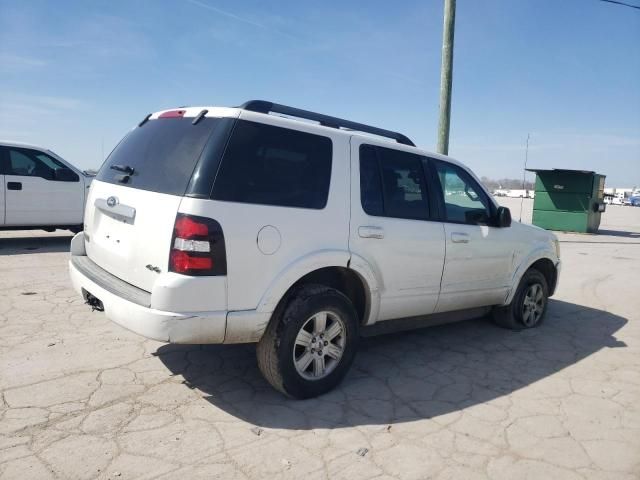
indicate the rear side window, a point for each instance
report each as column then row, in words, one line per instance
column 370, row 182
column 392, row 183
column 271, row 165
column 163, row 154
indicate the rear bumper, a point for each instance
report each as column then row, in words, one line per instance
column 173, row 327
column 131, row 307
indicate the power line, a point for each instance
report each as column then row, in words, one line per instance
column 622, row 3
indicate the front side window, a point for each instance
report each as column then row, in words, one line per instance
column 49, row 161
column 392, row 183
column 269, row 165
column 464, row 201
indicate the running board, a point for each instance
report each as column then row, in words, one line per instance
column 422, row 321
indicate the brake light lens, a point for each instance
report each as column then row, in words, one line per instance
column 197, row 247
column 172, row 114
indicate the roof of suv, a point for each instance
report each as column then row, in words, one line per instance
column 262, row 107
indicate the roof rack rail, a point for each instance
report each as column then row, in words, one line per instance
column 262, row 106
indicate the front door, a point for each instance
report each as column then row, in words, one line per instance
column 392, row 228
column 40, row 190
column 479, row 258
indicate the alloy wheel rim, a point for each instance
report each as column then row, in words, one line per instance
column 533, row 305
column 319, row 345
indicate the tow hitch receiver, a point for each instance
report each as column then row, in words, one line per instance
column 92, row 301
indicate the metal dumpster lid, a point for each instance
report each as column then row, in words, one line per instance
column 562, row 170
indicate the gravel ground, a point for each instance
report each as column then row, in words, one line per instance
column 83, row 398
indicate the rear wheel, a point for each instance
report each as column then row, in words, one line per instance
column 529, row 304
column 310, row 342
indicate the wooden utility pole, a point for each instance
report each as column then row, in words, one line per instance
column 446, row 76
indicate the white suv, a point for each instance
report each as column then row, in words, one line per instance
column 253, row 224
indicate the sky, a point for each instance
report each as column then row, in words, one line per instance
column 77, row 75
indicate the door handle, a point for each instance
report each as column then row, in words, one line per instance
column 458, row 237
column 371, row 232
column 14, row 185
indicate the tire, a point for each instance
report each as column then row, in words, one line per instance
column 517, row 315
column 284, row 341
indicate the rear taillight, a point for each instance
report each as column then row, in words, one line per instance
column 197, row 247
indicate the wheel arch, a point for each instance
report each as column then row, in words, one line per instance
column 543, row 261
column 349, row 274
column 547, row 268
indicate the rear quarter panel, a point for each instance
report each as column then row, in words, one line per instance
column 302, row 232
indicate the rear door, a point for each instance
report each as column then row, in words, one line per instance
column 480, row 256
column 133, row 201
column 392, row 227
column 40, row 190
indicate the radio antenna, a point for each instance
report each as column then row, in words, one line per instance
column 524, row 173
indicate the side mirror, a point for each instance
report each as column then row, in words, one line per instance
column 65, row 175
column 503, row 217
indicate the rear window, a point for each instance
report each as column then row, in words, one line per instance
column 163, row 154
column 270, row 165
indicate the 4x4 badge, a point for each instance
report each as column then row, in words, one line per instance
column 152, row 268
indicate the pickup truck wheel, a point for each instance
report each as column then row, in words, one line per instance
column 528, row 306
column 310, row 343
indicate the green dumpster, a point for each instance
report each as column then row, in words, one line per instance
column 568, row 200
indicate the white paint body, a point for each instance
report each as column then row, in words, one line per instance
column 409, row 267
column 41, row 202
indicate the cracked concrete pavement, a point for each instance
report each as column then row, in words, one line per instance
column 84, row 398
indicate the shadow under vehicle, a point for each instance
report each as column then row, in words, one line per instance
column 405, row 376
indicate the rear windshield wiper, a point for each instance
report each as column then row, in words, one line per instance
column 123, row 168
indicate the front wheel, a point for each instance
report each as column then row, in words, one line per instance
column 310, row 342
column 529, row 304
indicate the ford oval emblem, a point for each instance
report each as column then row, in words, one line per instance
column 112, row 201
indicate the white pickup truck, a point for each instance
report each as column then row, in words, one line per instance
column 38, row 189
